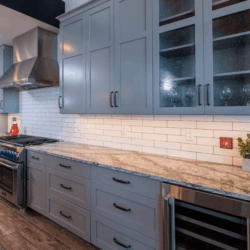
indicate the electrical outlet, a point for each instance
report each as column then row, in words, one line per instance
column 124, row 130
column 189, row 134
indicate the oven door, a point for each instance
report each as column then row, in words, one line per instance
column 11, row 181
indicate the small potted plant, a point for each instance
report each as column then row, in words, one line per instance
column 245, row 152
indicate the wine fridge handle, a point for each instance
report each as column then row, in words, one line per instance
column 169, row 223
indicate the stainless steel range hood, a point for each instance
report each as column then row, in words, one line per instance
column 34, row 61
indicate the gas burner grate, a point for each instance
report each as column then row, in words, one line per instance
column 26, row 140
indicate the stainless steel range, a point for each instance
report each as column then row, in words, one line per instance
column 13, row 166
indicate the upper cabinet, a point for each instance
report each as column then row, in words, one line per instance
column 227, row 56
column 178, row 57
column 72, row 66
column 9, row 98
column 133, row 57
column 156, row 57
column 100, row 59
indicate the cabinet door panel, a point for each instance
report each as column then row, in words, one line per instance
column 73, row 81
column 72, row 64
column 132, row 17
column 227, row 64
column 100, row 59
column 36, row 188
column 133, row 56
column 72, row 38
column 1, row 62
column 1, row 101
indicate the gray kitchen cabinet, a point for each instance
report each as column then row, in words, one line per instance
column 178, row 57
column 100, row 59
column 107, row 235
column 133, row 57
column 9, row 98
column 36, row 190
column 227, row 57
column 72, row 99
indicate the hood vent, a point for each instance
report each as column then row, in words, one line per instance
column 34, row 61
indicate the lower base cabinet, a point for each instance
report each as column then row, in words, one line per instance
column 108, row 235
column 72, row 217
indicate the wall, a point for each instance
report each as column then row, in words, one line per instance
column 3, row 123
column 164, row 135
column 71, row 4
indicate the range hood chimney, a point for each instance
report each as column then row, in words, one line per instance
column 34, row 61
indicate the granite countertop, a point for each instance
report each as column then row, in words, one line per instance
column 211, row 177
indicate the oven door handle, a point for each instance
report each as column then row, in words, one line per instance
column 9, row 166
column 169, row 223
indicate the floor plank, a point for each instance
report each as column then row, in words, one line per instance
column 33, row 231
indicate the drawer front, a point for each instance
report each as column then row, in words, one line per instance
column 68, row 166
column 130, row 210
column 73, row 218
column 129, row 182
column 107, row 235
column 36, row 157
column 68, row 187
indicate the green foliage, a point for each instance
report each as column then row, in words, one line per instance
column 244, row 147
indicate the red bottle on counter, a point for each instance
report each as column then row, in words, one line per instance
column 14, row 129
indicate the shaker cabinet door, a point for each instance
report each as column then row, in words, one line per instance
column 72, row 98
column 100, row 59
column 133, row 57
column 227, row 57
column 178, row 57
column 36, row 187
column 1, row 101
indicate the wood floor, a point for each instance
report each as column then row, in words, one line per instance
column 32, row 231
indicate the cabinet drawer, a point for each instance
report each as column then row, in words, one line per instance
column 104, row 232
column 36, row 157
column 74, row 218
column 68, row 187
column 130, row 210
column 67, row 166
column 128, row 182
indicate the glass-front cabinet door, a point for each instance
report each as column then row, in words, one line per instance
column 227, row 56
column 178, row 57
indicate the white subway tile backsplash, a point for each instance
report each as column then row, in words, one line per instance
column 197, row 148
column 156, row 134
column 243, row 126
column 182, row 124
column 143, row 129
column 215, row 125
column 147, row 143
column 215, row 158
column 154, row 137
column 203, row 118
column 168, row 131
column 181, row 154
column 170, row 145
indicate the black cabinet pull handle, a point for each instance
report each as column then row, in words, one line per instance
column 121, row 244
column 199, row 95
column 207, row 94
column 122, row 208
column 111, row 99
column 66, row 216
column 65, row 187
column 1, row 107
column 116, row 92
column 35, row 158
column 61, row 165
column 59, row 102
column 121, row 181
